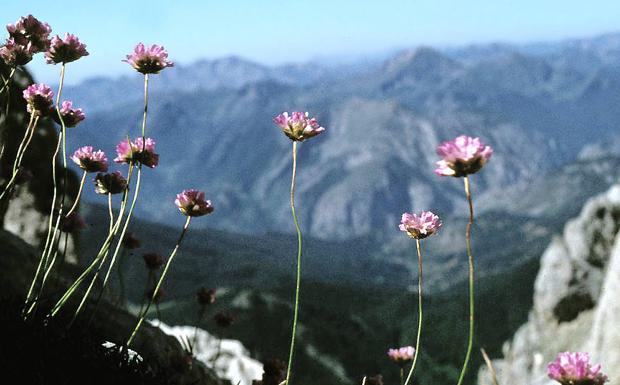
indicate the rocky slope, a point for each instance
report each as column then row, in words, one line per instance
column 576, row 304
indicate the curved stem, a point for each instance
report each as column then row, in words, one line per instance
column 102, row 251
column 417, row 340
column 298, row 280
column 110, row 212
column 53, row 229
column 79, row 194
column 159, row 282
column 20, row 153
column 489, row 363
column 7, row 81
column 470, row 257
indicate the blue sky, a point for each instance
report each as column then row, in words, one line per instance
column 273, row 32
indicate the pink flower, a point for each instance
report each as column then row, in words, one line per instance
column 192, row 203
column 89, row 160
column 65, row 50
column 39, row 98
column 112, row 183
column 575, row 369
column 15, row 54
column 419, row 227
column 401, row 355
column 149, row 60
column 462, row 156
column 298, row 126
column 30, row 31
column 70, row 116
column 137, row 151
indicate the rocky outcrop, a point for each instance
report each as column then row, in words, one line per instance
column 228, row 358
column 17, row 264
column 576, row 303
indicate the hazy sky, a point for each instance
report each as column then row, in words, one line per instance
column 272, row 32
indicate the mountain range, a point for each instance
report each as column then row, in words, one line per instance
column 538, row 105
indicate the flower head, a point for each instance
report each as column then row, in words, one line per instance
column 65, row 50
column 130, row 241
column 70, row 116
column 462, row 156
column 137, row 151
column 298, row 126
column 224, row 320
column 575, row 369
column 192, row 203
column 28, row 30
column 89, row 160
column 110, row 183
column 15, row 54
column 205, row 296
column 153, row 261
column 149, row 60
column 39, row 98
column 401, row 355
column 420, row 226
column 72, row 223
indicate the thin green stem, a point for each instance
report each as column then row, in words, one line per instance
column 489, row 363
column 402, row 375
column 105, row 251
column 79, row 194
column 102, row 251
column 160, row 281
column 417, row 340
column 137, row 187
column 7, row 81
column 470, row 257
column 298, row 280
column 52, row 228
column 20, row 154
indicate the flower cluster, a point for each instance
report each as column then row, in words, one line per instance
column 65, row 50
column 420, row 226
column 137, row 151
column 149, row 60
column 462, row 156
column 575, row 369
column 71, row 117
column 89, row 160
column 39, row 98
column 192, row 203
column 110, row 183
column 298, row 126
column 401, row 355
column 15, row 54
column 31, row 33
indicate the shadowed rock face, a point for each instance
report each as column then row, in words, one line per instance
column 576, row 305
column 27, row 213
column 16, row 270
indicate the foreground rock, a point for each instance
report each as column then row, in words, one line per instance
column 576, row 303
column 17, row 264
column 228, row 358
